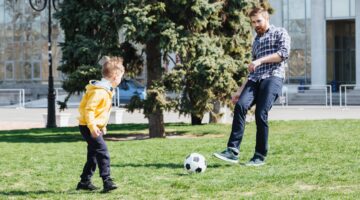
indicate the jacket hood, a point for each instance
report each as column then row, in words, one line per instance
column 95, row 85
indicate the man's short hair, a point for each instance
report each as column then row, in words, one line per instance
column 258, row 10
column 112, row 65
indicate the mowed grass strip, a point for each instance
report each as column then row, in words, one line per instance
column 307, row 160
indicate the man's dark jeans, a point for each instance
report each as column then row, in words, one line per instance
column 97, row 153
column 263, row 94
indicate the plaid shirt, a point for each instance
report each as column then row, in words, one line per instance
column 274, row 40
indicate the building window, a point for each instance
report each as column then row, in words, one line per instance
column 340, row 9
column 36, row 71
column 9, row 70
column 32, row 70
column 27, row 70
column 296, row 19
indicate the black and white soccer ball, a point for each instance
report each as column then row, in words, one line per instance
column 195, row 163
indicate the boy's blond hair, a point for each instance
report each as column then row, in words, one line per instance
column 111, row 65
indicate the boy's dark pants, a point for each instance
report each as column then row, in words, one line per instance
column 97, row 153
column 263, row 93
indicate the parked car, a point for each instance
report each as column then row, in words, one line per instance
column 127, row 89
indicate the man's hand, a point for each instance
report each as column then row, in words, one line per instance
column 235, row 98
column 253, row 65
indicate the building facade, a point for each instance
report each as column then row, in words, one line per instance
column 24, row 48
column 325, row 43
column 324, row 36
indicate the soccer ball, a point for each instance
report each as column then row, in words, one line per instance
column 195, row 163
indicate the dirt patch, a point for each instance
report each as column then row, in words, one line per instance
column 126, row 137
column 195, row 136
column 307, row 187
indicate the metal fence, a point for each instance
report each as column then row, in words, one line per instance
column 341, row 87
column 291, row 91
column 17, row 92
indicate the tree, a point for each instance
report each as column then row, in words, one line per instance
column 208, row 35
column 185, row 27
column 91, row 31
column 213, row 57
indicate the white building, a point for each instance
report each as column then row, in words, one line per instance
column 323, row 32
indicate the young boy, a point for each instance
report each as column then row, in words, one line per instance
column 94, row 112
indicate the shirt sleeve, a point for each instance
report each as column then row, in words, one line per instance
column 284, row 45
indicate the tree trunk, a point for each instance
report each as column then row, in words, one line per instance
column 154, row 72
column 195, row 120
column 156, row 125
column 215, row 116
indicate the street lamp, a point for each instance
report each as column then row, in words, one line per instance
column 40, row 5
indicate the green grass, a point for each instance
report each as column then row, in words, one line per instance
column 307, row 160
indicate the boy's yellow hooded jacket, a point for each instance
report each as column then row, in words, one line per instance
column 95, row 106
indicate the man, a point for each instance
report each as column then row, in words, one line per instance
column 270, row 50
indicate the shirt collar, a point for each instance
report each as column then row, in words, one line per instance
column 105, row 83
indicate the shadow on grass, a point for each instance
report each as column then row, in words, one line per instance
column 26, row 193
column 65, row 137
column 46, row 138
column 117, row 127
column 57, row 135
column 117, row 132
column 161, row 165
column 41, row 192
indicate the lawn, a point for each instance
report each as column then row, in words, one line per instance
column 307, row 160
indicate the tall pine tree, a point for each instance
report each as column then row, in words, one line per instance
column 213, row 56
column 91, row 31
column 210, row 36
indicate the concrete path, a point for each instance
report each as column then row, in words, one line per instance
column 12, row 118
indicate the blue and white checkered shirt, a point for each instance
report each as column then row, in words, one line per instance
column 274, row 40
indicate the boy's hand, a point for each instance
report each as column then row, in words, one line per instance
column 104, row 130
column 96, row 133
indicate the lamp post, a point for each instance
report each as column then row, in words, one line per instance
column 40, row 5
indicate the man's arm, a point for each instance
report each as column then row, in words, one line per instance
column 281, row 55
column 272, row 58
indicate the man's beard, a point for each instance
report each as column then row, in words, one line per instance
column 260, row 30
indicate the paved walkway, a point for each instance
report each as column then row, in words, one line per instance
column 12, row 118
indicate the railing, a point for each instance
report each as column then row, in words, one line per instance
column 57, row 93
column 326, row 88
column 116, row 97
column 283, row 99
column 326, row 93
column 345, row 96
column 21, row 95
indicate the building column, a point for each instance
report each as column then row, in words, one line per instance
column 276, row 19
column 318, row 43
column 357, row 43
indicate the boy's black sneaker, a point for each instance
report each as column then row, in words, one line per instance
column 109, row 185
column 86, row 186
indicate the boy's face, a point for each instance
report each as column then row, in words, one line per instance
column 260, row 23
column 117, row 79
